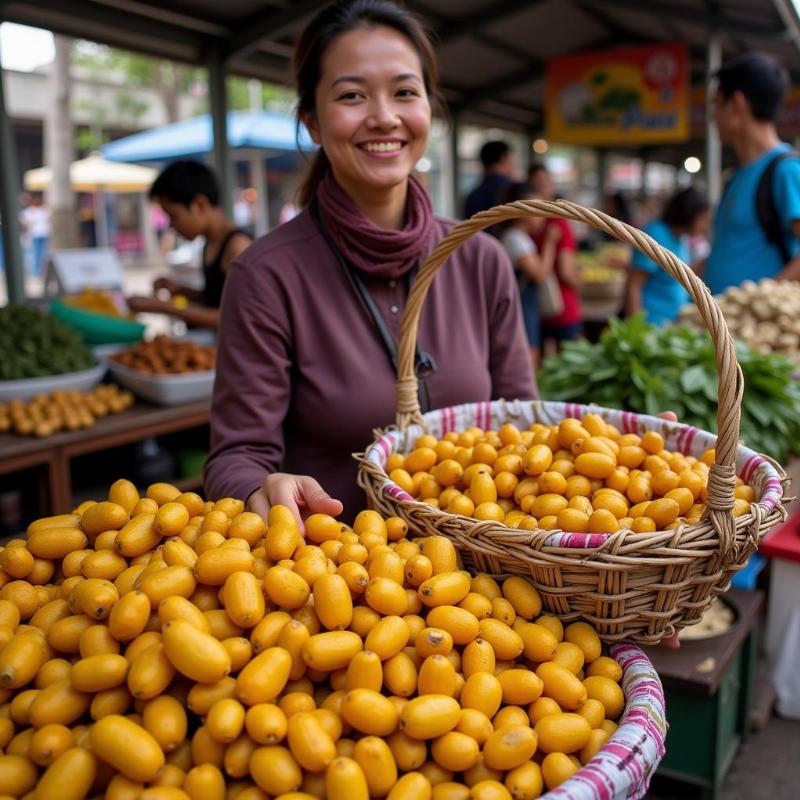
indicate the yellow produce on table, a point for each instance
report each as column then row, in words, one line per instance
column 164, row 641
column 45, row 415
column 96, row 300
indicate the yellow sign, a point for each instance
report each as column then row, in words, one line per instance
column 636, row 95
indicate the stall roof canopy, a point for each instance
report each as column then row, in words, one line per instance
column 268, row 132
column 492, row 53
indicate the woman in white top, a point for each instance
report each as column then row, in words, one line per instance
column 530, row 266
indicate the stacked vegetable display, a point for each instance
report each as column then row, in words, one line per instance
column 763, row 315
column 648, row 369
column 167, row 647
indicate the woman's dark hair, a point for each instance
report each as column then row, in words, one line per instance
column 492, row 153
column 684, row 208
column 182, row 181
column 619, row 207
column 331, row 22
column 514, row 192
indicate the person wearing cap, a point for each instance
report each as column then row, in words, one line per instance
column 750, row 90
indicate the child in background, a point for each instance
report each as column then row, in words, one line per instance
column 650, row 287
column 188, row 193
column 530, row 265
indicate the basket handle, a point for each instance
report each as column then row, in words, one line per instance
column 722, row 476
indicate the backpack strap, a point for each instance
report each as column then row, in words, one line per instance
column 766, row 211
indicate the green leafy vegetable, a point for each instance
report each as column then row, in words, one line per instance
column 33, row 345
column 648, row 369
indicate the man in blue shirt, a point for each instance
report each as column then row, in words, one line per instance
column 499, row 170
column 750, row 90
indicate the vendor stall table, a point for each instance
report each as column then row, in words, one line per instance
column 707, row 685
column 54, row 453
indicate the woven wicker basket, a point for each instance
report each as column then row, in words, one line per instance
column 632, row 586
column 623, row 767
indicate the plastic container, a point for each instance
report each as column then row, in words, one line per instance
column 26, row 388
column 165, row 390
column 97, row 328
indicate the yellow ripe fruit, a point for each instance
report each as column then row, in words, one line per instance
column 556, row 769
column 585, row 636
column 608, row 692
column 537, row 460
column 602, row 521
column 663, row 512
column 509, row 748
column 542, row 708
column 561, row 685
column 563, row 733
column 570, row 519
column 652, row 442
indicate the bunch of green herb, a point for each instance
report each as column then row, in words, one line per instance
column 647, row 369
column 33, row 345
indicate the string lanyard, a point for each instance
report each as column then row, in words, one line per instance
column 424, row 364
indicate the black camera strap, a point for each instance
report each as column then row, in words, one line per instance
column 424, row 363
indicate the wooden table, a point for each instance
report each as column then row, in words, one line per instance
column 54, row 453
column 708, row 685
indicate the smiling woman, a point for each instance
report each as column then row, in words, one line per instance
column 312, row 311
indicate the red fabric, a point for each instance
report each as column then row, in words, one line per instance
column 368, row 247
column 303, row 377
column 572, row 312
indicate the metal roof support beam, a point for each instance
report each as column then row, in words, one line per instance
column 472, row 23
column 244, row 41
column 530, row 72
column 101, row 23
column 713, row 165
column 720, row 22
column 218, row 96
column 9, row 206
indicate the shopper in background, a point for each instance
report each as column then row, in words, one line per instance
column 757, row 223
column 189, row 194
column 499, row 170
column 531, row 265
column 312, row 312
column 36, row 228
column 650, row 287
column 568, row 324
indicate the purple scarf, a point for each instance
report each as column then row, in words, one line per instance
column 368, row 247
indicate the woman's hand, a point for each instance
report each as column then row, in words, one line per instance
column 301, row 494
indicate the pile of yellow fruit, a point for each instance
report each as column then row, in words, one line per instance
column 96, row 300
column 167, row 648
column 581, row 475
column 45, row 415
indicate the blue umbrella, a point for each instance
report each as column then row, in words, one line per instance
column 268, row 131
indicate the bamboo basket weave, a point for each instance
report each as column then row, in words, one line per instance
column 631, row 586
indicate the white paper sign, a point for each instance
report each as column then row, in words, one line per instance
column 73, row 270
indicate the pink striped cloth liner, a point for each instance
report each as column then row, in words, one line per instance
column 622, row 769
column 750, row 466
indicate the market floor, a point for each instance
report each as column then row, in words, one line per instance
column 767, row 767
